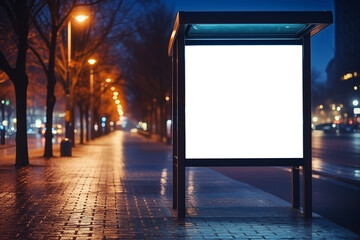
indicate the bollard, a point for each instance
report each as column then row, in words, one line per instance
column 65, row 147
column 2, row 136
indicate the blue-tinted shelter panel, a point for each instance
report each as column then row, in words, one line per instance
column 244, row 30
column 249, row 25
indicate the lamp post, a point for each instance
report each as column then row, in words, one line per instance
column 68, row 128
column 356, row 111
column 104, row 85
column 2, row 130
column 91, row 61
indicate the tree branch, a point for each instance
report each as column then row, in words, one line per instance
column 9, row 12
column 105, row 33
column 39, row 58
column 5, row 66
column 41, row 5
column 41, row 33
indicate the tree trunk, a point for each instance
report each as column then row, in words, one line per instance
column 21, row 82
column 50, row 103
column 87, row 124
column 81, row 124
column 20, row 85
column 19, row 11
column 72, row 118
column 163, row 120
column 50, row 97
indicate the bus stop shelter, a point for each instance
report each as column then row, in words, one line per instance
column 242, row 94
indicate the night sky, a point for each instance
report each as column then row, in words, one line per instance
column 322, row 48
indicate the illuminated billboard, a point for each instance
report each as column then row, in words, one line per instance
column 243, row 101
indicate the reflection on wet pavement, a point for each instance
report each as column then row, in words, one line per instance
column 336, row 155
column 120, row 187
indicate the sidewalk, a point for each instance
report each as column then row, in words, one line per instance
column 120, row 186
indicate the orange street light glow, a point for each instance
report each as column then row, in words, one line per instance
column 91, row 61
column 108, row 80
column 81, row 18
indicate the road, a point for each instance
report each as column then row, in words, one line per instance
column 337, row 155
column 336, row 178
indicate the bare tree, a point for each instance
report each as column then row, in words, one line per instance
column 48, row 24
column 82, row 99
column 148, row 66
column 16, row 19
column 104, row 103
column 108, row 26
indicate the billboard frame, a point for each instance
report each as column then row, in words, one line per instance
column 237, row 28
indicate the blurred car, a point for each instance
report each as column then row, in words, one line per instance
column 31, row 131
column 53, row 131
column 327, row 127
column 335, row 128
column 346, row 128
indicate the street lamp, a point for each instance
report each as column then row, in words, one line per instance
column 355, row 103
column 356, row 111
column 2, row 129
column 81, row 18
column 91, row 61
column 68, row 128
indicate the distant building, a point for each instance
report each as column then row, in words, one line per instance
column 344, row 70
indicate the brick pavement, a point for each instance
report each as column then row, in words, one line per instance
column 119, row 187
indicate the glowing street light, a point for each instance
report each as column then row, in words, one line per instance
column 91, row 61
column 68, row 128
column 355, row 102
column 356, row 110
column 81, row 18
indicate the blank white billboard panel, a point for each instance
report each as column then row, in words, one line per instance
column 243, row 101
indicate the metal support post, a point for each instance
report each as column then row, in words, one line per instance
column 2, row 130
column 307, row 168
column 295, row 187
column 174, row 124
column 181, row 124
column 68, row 87
column 92, row 136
